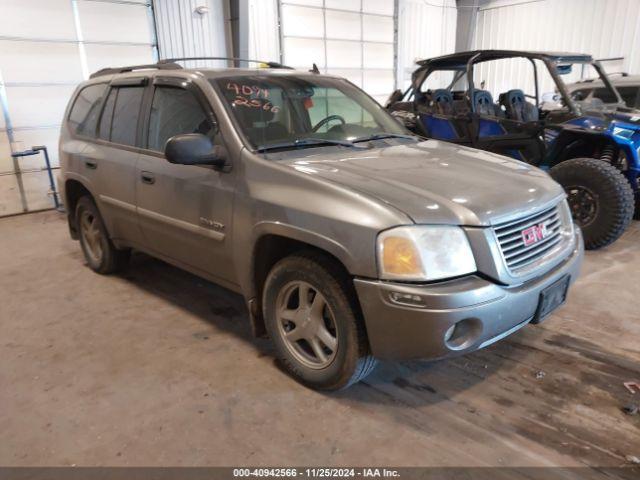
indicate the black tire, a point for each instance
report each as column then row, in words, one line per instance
column 601, row 199
column 636, row 213
column 99, row 251
column 351, row 361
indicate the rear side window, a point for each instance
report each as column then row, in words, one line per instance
column 104, row 130
column 175, row 111
column 83, row 117
column 125, row 115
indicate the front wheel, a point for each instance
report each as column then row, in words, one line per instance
column 313, row 321
column 600, row 197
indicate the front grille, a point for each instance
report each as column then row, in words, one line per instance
column 516, row 253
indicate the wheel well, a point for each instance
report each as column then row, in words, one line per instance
column 579, row 146
column 268, row 251
column 74, row 190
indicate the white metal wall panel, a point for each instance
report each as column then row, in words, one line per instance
column 50, row 19
column 264, row 36
column 114, row 22
column 352, row 38
column 183, row 32
column 46, row 48
column 103, row 55
column 603, row 28
column 425, row 29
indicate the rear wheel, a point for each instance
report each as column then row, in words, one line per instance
column 99, row 251
column 314, row 324
column 600, row 197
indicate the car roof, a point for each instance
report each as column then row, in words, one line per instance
column 460, row 59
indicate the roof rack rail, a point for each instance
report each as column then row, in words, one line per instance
column 234, row 59
column 170, row 64
column 131, row 68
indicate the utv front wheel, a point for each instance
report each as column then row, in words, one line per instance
column 600, row 197
column 313, row 321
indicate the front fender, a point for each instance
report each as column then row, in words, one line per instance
column 315, row 239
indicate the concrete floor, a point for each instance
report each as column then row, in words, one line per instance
column 157, row 367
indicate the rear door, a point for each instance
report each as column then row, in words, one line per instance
column 114, row 155
column 185, row 211
column 80, row 134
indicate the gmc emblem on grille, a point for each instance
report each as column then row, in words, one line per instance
column 534, row 234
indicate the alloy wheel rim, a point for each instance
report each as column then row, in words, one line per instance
column 307, row 324
column 584, row 205
column 91, row 236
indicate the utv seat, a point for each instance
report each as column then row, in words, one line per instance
column 483, row 103
column 517, row 108
column 443, row 101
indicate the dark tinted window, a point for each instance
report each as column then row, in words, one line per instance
column 629, row 95
column 86, row 108
column 125, row 115
column 104, row 129
column 606, row 95
column 175, row 111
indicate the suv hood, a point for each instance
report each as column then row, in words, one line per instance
column 437, row 183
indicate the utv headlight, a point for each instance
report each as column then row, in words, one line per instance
column 422, row 253
column 623, row 132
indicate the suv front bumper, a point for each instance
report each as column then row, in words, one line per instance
column 406, row 321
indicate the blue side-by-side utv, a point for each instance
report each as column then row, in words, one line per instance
column 589, row 147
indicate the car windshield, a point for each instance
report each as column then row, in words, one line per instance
column 285, row 112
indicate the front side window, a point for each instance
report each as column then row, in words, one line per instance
column 176, row 111
column 283, row 110
column 83, row 117
column 125, row 115
column 629, row 95
column 606, row 95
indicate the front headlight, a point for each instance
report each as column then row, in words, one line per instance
column 422, row 253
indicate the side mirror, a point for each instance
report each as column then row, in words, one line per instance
column 192, row 149
column 395, row 96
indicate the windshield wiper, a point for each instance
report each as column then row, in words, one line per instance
column 380, row 136
column 306, row 142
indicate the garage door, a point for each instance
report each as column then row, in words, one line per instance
column 350, row 38
column 46, row 48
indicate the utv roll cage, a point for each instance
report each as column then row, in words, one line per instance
column 464, row 62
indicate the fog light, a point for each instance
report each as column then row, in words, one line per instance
column 449, row 333
column 463, row 334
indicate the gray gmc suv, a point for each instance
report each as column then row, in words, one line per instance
column 350, row 239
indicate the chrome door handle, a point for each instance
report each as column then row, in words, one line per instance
column 90, row 164
column 147, row 177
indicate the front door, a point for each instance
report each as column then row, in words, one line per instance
column 185, row 211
